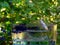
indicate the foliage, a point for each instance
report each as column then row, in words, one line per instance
column 24, row 11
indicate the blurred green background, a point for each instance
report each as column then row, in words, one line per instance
column 28, row 11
